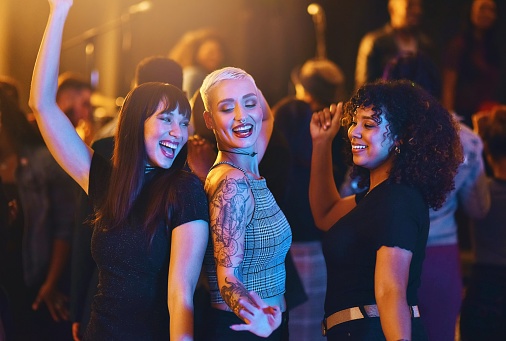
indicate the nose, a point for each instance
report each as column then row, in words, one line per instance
column 354, row 132
column 175, row 130
column 239, row 114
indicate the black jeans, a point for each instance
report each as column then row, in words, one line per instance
column 217, row 328
column 369, row 329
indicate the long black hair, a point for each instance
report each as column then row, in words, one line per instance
column 130, row 159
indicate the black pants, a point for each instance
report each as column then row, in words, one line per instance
column 217, row 328
column 369, row 329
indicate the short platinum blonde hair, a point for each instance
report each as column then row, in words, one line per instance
column 215, row 77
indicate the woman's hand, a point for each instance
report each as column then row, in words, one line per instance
column 325, row 124
column 261, row 319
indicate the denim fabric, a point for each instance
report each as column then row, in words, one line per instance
column 48, row 199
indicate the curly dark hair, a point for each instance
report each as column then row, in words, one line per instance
column 427, row 135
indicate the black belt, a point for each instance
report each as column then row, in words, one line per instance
column 356, row 313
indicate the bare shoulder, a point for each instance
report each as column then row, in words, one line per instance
column 222, row 175
column 227, row 187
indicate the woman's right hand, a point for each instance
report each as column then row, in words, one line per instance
column 325, row 124
column 261, row 319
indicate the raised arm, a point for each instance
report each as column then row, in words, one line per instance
column 267, row 126
column 73, row 155
column 188, row 246
column 326, row 204
column 231, row 207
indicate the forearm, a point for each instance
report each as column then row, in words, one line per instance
column 232, row 290
column 69, row 150
column 323, row 194
column 45, row 75
column 395, row 317
column 180, row 304
column 59, row 258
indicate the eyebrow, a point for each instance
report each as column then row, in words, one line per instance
column 247, row 96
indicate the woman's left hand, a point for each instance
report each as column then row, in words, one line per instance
column 261, row 319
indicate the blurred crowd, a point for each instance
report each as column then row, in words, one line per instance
column 47, row 274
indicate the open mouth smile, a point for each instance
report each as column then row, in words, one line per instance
column 169, row 148
column 243, row 130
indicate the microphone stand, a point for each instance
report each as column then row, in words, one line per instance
column 318, row 14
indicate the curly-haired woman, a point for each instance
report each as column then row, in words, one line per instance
column 406, row 151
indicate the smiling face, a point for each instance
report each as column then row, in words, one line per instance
column 165, row 133
column 371, row 140
column 236, row 114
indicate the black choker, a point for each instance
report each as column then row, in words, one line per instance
column 229, row 151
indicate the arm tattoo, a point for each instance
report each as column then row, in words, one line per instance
column 231, row 294
column 228, row 219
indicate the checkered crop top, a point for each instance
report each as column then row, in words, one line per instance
column 267, row 240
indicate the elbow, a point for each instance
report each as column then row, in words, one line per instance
column 33, row 103
column 180, row 297
column 37, row 104
column 386, row 294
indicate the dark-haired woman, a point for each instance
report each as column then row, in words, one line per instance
column 151, row 217
column 406, row 151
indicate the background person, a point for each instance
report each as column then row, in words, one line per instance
column 440, row 292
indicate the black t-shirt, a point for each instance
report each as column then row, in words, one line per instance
column 131, row 303
column 390, row 215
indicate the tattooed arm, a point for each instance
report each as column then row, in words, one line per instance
column 230, row 209
column 231, row 206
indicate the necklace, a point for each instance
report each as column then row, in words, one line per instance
column 241, row 153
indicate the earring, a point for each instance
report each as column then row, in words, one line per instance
column 397, row 150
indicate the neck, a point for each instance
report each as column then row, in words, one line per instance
column 245, row 161
column 380, row 174
column 238, row 153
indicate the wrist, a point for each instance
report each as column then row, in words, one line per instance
column 61, row 9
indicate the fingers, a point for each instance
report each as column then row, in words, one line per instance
column 36, row 303
column 338, row 113
column 57, row 307
column 240, row 327
column 258, row 301
column 52, row 311
column 328, row 116
column 248, row 306
column 75, row 331
column 276, row 311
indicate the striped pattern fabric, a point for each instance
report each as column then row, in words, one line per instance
column 267, row 240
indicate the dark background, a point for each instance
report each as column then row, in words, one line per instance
column 267, row 38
